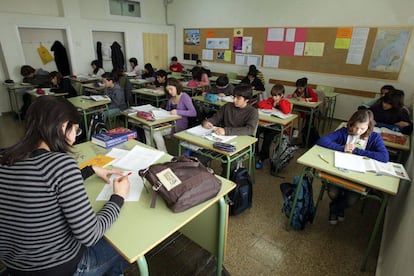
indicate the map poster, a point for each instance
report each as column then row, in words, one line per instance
column 389, row 49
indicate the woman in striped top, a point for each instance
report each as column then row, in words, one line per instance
column 47, row 225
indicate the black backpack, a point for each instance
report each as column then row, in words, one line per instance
column 97, row 124
column 241, row 196
column 287, row 152
column 305, row 208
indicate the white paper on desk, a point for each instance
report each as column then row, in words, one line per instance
column 145, row 107
column 349, row 161
column 275, row 112
column 219, row 138
column 160, row 113
column 199, row 130
column 228, row 99
column 134, row 191
column 138, row 158
column 98, row 98
column 387, row 130
column 117, row 153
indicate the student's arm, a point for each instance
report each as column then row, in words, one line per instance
column 266, row 104
column 189, row 110
column 335, row 140
column 375, row 148
column 313, row 97
column 285, row 106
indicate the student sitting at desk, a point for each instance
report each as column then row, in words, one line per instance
column 205, row 70
column 38, row 77
column 54, row 230
column 259, row 74
column 61, row 85
column 175, row 66
column 149, row 72
column 114, row 91
column 133, row 62
column 384, row 90
column 357, row 138
column 275, row 102
column 200, row 78
column 179, row 103
column 236, row 118
column 160, row 82
column 222, row 87
column 97, row 71
column 389, row 112
column 303, row 92
column 254, row 81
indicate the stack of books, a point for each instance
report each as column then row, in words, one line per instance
column 113, row 137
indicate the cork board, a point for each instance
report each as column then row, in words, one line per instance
column 332, row 61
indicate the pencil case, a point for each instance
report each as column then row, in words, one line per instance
column 224, row 146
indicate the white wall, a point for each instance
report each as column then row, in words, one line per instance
column 79, row 19
column 297, row 13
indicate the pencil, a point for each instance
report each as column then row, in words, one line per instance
column 323, row 158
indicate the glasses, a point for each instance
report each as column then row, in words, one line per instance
column 78, row 131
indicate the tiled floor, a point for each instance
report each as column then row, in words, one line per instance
column 257, row 241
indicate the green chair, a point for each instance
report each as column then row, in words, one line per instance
column 232, row 75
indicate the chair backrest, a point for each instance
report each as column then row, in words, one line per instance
column 232, row 75
column 126, row 84
column 321, row 98
column 326, row 89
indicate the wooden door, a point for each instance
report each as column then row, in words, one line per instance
column 156, row 50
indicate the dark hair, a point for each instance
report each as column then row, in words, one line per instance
column 222, row 80
column 278, row 90
column 196, row 73
column 303, row 82
column 252, row 68
column 27, row 70
column 173, row 82
column 388, row 87
column 96, row 63
column 161, row 73
column 148, row 67
column 362, row 116
column 43, row 122
column 134, row 61
column 55, row 74
column 243, row 90
column 174, row 58
column 198, row 61
column 395, row 98
column 110, row 76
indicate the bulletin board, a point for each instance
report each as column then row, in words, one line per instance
column 352, row 51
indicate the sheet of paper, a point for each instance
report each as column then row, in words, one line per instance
column 299, row 48
column 207, row 54
column 290, row 34
column 134, row 191
column 270, row 61
column 219, row 138
column 138, row 158
column 275, row 34
column 349, row 161
column 117, row 153
column 199, row 130
column 145, row 107
column 160, row 113
column 314, row 49
column 275, row 112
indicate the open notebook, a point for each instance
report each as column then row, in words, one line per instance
column 359, row 163
column 209, row 134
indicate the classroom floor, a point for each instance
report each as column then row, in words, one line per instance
column 257, row 240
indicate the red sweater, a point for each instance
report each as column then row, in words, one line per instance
column 283, row 105
column 178, row 67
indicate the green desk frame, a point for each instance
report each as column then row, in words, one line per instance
column 149, row 95
column 384, row 184
column 140, row 228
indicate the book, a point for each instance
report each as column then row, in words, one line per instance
column 363, row 164
column 275, row 113
column 113, row 137
column 209, row 134
column 98, row 98
column 391, row 136
column 99, row 160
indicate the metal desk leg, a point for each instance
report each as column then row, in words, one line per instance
column 151, row 142
column 85, row 121
column 142, row 266
column 298, row 187
column 332, row 112
column 221, row 234
column 375, row 230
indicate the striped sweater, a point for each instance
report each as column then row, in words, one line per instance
column 46, row 219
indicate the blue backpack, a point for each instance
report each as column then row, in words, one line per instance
column 305, row 208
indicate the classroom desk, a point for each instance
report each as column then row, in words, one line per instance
column 152, row 126
column 154, row 96
column 278, row 124
column 201, row 101
column 14, row 90
column 35, row 95
column 92, row 88
column 330, row 101
column 193, row 90
column 385, row 184
column 140, row 228
column 310, row 108
column 244, row 146
column 213, row 79
column 400, row 148
column 139, row 83
column 87, row 107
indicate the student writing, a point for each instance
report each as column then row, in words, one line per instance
column 358, row 138
column 55, row 231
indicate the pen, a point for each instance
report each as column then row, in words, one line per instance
column 129, row 174
column 323, row 158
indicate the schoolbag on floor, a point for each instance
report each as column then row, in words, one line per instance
column 313, row 135
column 241, row 196
column 97, row 124
column 305, row 208
column 287, row 152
